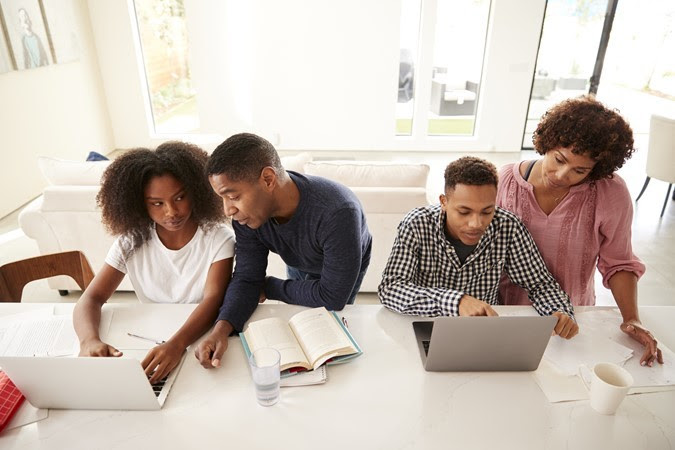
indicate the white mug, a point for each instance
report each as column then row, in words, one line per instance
column 609, row 385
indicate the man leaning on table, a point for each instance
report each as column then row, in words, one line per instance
column 447, row 259
column 317, row 226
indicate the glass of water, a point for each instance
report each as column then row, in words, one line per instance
column 264, row 364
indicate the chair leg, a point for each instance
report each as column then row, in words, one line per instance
column 670, row 186
column 644, row 186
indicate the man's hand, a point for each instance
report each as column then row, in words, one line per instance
column 161, row 360
column 471, row 306
column 96, row 347
column 634, row 329
column 566, row 327
column 210, row 351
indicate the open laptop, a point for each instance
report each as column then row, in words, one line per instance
column 88, row 383
column 472, row 344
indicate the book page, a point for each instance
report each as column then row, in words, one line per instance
column 320, row 336
column 276, row 333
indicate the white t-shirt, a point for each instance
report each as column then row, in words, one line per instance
column 161, row 275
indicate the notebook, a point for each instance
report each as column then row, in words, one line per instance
column 88, row 383
column 472, row 344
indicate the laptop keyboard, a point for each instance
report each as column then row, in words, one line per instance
column 425, row 344
column 157, row 387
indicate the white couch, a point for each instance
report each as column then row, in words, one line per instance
column 66, row 217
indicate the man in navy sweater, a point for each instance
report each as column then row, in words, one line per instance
column 317, row 226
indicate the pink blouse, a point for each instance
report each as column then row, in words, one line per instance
column 591, row 225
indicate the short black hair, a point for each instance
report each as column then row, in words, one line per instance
column 242, row 157
column 471, row 171
column 122, row 198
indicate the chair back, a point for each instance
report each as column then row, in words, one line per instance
column 661, row 154
column 15, row 275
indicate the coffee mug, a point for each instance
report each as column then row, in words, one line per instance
column 609, row 385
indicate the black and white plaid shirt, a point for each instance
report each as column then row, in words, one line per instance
column 425, row 277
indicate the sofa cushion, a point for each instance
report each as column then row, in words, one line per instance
column 390, row 200
column 297, row 162
column 61, row 172
column 69, row 198
column 371, row 173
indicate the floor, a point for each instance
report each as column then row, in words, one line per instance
column 653, row 237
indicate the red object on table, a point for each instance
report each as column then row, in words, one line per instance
column 11, row 399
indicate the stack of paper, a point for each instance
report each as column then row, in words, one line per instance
column 307, row 378
column 584, row 349
column 599, row 340
column 44, row 336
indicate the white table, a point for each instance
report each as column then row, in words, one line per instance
column 383, row 399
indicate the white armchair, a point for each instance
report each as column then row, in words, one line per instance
column 661, row 155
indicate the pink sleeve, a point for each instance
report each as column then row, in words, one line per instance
column 505, row 179
column 615, row 212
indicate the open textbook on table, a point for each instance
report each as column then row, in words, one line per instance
column 308, row 340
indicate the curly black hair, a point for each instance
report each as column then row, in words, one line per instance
column 122, row 198
column 589, row 128
column 471, row 171
column 242, row 157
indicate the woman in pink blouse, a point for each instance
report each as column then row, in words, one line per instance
column 578, row 210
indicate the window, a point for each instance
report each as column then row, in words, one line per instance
column 410, row 29
column 638, row 75
column 626, row 48
column 459, row 46
column 163, row 36
column 456, row 35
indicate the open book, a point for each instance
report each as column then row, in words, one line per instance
column 310, row 339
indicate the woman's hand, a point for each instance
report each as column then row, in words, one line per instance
column 96, row 347
column 161, row 360
column 634, row 329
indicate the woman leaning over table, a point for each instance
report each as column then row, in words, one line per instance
column 578, row 210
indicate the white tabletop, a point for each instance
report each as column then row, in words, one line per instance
column 383, row 399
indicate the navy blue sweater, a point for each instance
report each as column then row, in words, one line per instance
column 327, row 236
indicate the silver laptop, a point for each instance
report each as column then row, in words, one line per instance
column 473, row 344
column 88, row 383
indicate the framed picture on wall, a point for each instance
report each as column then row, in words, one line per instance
column 63, row 30
column 6, row 60
column 27, row 33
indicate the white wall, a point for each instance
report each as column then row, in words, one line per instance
column 58, row 110
column 314, row 75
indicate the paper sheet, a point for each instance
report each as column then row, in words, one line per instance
column 584, row 349
column 599, row 340
column 558, row 387
column 26, row 414
column 43, row 336
column 318, row 376
column 160, row 326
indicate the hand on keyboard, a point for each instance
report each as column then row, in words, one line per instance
column 161, row 360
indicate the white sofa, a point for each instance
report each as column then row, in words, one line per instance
column 66, row 217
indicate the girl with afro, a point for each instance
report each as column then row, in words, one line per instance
column 172, row 242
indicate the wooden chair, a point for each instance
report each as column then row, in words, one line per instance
column 15, row 275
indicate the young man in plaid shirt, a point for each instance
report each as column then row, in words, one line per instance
column 447, row 259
